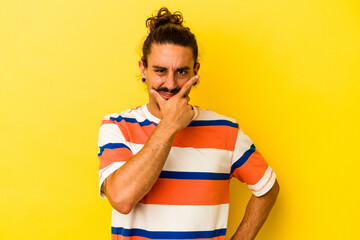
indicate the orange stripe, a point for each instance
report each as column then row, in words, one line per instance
column 135, row 108
column 252, row 170
column 133, row 132
column 119, row 237
column 264, row 184
column 219, row 137
column 104, row 121
column 136, row 133
column 188, row 192
column 114, row 155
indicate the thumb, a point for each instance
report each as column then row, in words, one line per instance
column 157, row 97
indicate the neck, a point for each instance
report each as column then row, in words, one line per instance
column 154, row 109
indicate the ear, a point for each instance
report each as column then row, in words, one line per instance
column 142, row 69
column 196, row 68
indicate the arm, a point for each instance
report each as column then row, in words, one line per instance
column 257, row 210
column 131, row 182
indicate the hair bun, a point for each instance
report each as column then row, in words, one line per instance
column 164, row 16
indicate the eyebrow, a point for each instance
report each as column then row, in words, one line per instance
column 180, row 68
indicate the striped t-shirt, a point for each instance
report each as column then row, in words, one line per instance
column 190, row 199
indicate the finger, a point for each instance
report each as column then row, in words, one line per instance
column 187, row 98
column 186, row 87
column 157, row 97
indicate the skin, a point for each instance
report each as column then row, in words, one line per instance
column 169, row 68
column 166, row 63
column 257, row 210
column 169, row 77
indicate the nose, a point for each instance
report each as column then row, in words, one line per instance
column 170, row 81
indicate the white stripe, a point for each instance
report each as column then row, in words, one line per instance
column 110, row 133
column 139, row 114
column 210, row 115
column 130, row 113
column 243, row 143
column 194, row 160
column 105, row 172
column 142, row 113
column 111, row 115
column 154, row 217
column 264, row 184
column 198, row 160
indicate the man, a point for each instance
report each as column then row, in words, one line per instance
column 165, row 166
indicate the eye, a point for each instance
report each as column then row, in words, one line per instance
column 182, row 72
column 160, row 71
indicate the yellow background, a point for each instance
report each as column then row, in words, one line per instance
column 287, row 70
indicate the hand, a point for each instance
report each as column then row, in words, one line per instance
column 176, row 113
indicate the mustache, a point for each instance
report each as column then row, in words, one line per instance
column 174, row 91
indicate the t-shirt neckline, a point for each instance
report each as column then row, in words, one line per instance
column 148, row 115
column 157, row 120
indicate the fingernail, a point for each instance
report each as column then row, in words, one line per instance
column 197, row 76
column 151, row 90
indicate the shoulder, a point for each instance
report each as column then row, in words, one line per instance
column 114, row 126
column 132, row 114
column 208, row 115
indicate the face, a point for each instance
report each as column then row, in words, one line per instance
column 169, row 68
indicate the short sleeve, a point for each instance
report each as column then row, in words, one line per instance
column 249, row 166
column 114, row 150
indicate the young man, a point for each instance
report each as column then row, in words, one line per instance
column 165, row 166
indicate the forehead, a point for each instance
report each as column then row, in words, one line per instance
column 170, row 55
